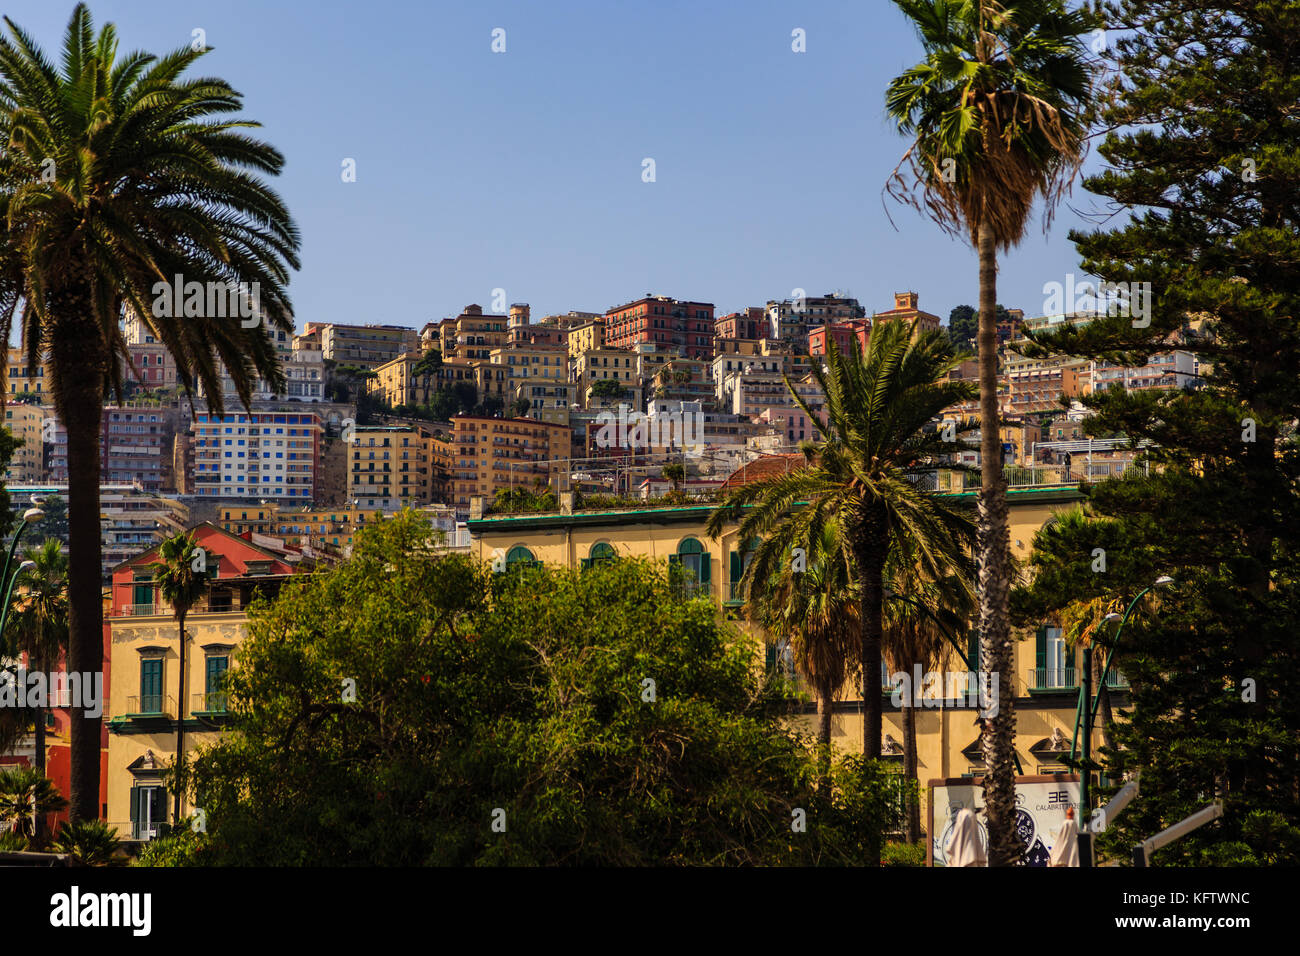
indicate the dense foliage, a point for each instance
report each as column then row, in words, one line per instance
column 509, row 719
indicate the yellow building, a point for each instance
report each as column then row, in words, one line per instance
column 1045, row 676
column 390, row 466
column 586, row 337
column 26, row 423
column 146, row 706
column 472, row 334
column 244, row 518
column 22, row 378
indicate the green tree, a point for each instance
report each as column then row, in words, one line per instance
column 812, row 602
column 426, row 370
column 180, row 574
column 676, row 473
column 39, row 621
column 507, row 719
column 118, row 171
column 877, row 439
column 963, row 326
column 608, row 388
column 998, row 112
column 1204, row 155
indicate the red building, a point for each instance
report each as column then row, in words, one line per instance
column 751, row 324
column 665, row 322
column 841, row 333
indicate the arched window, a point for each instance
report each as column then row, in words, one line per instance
column 695, row 561
column 601, row 553
column 519, row 555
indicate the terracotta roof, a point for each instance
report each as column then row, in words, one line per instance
column 765, row 467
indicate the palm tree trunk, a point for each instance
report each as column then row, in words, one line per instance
column 180, row 723
column 909, row 770
column 38, row 825
column 78, row 380
column 869, row 553
column 995, row 578
column 825, row 708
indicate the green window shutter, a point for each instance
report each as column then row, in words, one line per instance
column 737, row 567
column 973, row 650
column 674, row 559
column 584, row 563
column 135, row 812
column 770, row 656
column 706, row 569
column 216, row 668
column 1040, row 648
column 151, row 678
column 143, row 594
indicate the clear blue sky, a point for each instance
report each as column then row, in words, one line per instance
column 522, row 170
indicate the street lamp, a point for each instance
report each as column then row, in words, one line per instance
column 30, row 516
column 1088, row 712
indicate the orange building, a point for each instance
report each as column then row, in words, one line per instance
column 666, row 322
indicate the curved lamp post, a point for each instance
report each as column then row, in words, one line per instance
column 1087, row 711
column 30, row 516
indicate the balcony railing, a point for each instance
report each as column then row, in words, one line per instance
column 1067, row 678
column 214, row 703
column 150, row 705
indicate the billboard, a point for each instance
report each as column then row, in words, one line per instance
column 1040, row 812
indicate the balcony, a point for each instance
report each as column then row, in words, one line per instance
column 150, row 705
column 214, row 703
column 1067, row 678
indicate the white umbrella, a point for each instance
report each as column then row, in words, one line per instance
column 966, row 848
column 1066, row 850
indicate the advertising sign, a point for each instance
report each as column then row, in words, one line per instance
column 1040, row 812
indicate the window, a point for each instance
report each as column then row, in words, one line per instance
column 695, row 561
column 151, row 685
column 215, row 668
column 521, row 556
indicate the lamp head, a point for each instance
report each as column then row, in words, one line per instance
column 1112, row 616
column 1164, row 581
column 26, row 566
column 33, row 514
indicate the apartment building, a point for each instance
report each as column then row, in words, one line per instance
column 791, row 320
column 473, row 335
column 397, row 384
column 259, row 454
column 366, row 346
column 389, row 466
column 135, row 445
column 586, row 337
column 665, row 321
column 22, row 378
column 493, row 453
column 26, row 422
column 751, row 324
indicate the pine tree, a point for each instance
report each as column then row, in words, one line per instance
column 1204, row 154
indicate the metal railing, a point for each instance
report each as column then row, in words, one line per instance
column 150, row 705
column 1067, row 678
column 214, row 703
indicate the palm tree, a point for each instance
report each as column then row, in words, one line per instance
column 924, row 617
column 40, row 619
column 817, row 610
column 998, row 112
column 180, row 576
column 117, row 175
column 877, row 438
column 26, row 797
